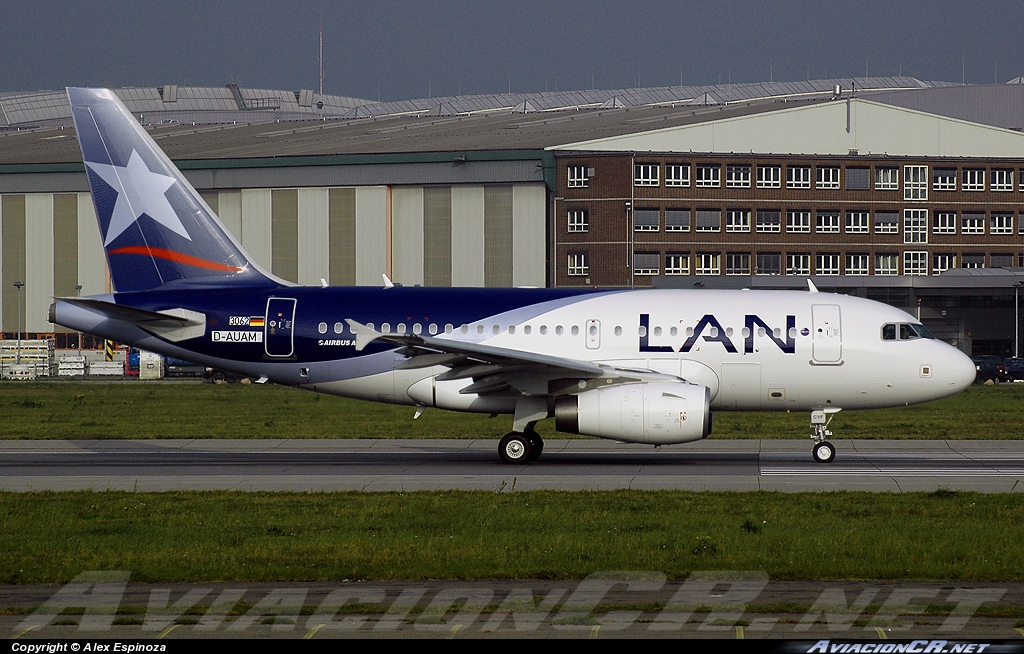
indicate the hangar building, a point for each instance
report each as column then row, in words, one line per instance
column 868, row 183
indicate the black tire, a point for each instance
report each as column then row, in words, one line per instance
column 514, row 448
column 824, row 452
column 536, row 444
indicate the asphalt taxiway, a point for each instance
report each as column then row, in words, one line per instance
column 578, row 464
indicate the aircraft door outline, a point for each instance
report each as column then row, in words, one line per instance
column 593, row 334
column 827, row 334
column 279, row 327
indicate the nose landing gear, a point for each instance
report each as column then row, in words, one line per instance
column 823, row 451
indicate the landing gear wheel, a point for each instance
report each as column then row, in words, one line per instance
column 824, row 452
column 514, row 447
column 536, row 445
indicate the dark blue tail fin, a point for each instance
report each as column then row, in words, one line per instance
column 156, row 228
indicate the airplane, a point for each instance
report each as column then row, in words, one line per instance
column 638, row 366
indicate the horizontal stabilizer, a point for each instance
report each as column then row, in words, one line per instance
column 171, row 324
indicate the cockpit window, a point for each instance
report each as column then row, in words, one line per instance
column 904, row 331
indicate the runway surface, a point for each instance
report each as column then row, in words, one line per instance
column 389, row 465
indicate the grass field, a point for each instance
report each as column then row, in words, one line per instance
column 226, row 536
column 69, row 410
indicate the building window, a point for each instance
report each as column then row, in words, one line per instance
column 887, row 179
column 578, row 177
column 857, row 264
column 768, row 263
column 915, row 182
column 709, row 263
column 798, row 177
column 915, row 263
column 858, row 179
column 1020, row 179
column 737, row 263
column 579, row 220
column 798, row 222
column 1002, row 179
column 944, row 222
column 709, row 220
column 646, row 263
column 827, row 222
column 1001, row 223
column 677, row 220
column 769, row 176
column 737, row 176
column 826, row 264
column 769, row 220
column 677, row 264
column 942, row 262
column 887, row 222
column 887, row 263
column 677, row 175
column 645, row 175
column 579, row 264
column 798, row 264
column 646, row 220
column 708, row 176
column 827, row 177
column 973, row 179
column 1001, row 260
column 737, row 220
column 973, row 223
column 858, row 222
column 944, row 179
column 973, row 260
column 915, row 226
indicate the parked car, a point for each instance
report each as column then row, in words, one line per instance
column 987, row 370
column 181, row 368
column 216, row 376
column 1014, row 368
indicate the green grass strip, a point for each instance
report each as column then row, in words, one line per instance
column 228, row 536
column 87, row 410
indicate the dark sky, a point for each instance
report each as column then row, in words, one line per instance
column 404, row 49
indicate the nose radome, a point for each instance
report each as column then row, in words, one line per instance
column 961, row 370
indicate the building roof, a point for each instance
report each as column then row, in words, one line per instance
column 584, row 119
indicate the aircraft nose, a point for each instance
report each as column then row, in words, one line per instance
column 961, row 370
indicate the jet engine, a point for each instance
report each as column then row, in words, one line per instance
column 658, row 413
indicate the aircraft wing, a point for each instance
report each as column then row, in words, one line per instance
column 497, row 369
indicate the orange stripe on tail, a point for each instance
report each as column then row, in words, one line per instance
column 177, row 257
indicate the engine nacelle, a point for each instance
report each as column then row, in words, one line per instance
column 658, row 413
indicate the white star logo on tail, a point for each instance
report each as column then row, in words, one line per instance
column 139, row 191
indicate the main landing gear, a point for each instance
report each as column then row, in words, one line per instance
column 823, row 451
column 520, row 447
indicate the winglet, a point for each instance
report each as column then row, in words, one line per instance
column 387, row 281
column 811, row 287
column 364, row 335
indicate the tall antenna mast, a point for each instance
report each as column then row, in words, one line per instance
column 321, row 59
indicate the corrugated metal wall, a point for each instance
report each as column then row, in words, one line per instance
column 467, row 235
